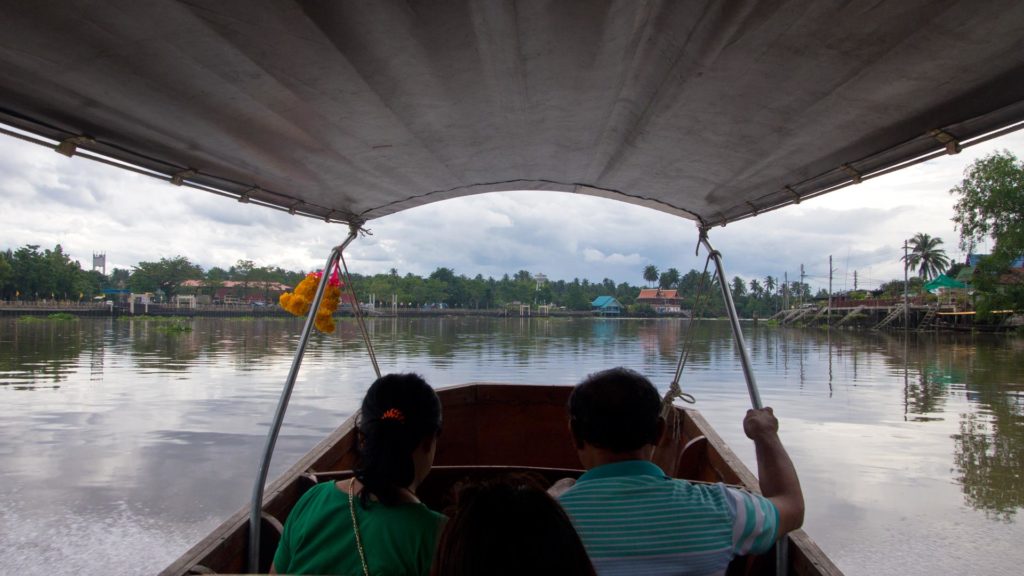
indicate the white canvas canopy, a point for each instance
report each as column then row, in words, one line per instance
column 348, row 111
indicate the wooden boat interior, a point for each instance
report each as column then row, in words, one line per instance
column 490, row 431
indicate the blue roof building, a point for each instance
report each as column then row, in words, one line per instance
column 975, row 259
column 606, row 306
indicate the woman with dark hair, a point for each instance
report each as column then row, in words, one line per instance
column 506, row 528
column 373, row 523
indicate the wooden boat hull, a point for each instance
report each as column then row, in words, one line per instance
column 489, row 430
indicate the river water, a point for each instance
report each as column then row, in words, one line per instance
column 123, row 443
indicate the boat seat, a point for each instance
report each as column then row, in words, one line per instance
column 443, row 483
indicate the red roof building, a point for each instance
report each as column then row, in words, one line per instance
column 663, row 301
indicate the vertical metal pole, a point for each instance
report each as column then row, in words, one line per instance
column 282, row 407
column 906, row 302
column 830, row 271
column 737, row 333
column 782, row 546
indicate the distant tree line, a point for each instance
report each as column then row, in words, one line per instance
column 30, row 274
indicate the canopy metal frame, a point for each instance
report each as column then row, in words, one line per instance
column 782, row 546
column 256, row 509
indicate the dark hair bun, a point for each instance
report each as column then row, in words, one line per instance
column 397, row 414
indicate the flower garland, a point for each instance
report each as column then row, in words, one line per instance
column 299, row 301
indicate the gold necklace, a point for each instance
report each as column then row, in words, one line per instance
column 355, row 525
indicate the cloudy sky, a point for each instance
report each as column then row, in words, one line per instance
column 46, row 199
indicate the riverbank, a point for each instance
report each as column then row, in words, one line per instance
column 915, row 318
column 867, row 317
column 239, row 310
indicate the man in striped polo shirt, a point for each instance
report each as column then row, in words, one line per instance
column 634, row 519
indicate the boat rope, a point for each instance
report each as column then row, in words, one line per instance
column 668, row 412
column 358, row 311
column 674, row 390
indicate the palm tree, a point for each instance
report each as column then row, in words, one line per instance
column 926, row 256
column 651, row 273
column 769, row 285
column 755, row 288
column 668, row 278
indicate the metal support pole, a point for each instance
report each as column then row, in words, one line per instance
column 282, row 406
column 906, row 280
column 782, row 546
column 737, row 333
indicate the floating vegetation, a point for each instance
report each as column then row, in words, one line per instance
column 155, row 319
column 59, row 317
column 175, row 325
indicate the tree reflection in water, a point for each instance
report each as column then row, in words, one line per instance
column 988, row 457
column 989, row 449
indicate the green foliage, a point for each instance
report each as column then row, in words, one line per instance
column 165, row 275
column 62, row 316
column 651, row 274
column 642, row 311
column 991, row 204
column 926, row 256
column 668, row 279
column 119, row 278
column 739, row 288
column 30, row 274
column 175, row 325
column 894, row 288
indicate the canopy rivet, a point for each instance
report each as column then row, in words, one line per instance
column 854, row 174
column 796, row 196
column 69, row 146
column 948, row 140
column 179, row 178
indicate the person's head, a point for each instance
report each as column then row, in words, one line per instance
column 616, row 410
column 398, row 425
column 508, row 527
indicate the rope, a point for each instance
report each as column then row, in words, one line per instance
column 674, row 390
column 668, row 411
column 359, row 316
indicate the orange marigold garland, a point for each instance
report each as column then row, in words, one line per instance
column 299, row 301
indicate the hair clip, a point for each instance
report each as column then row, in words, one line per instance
column 393, row 414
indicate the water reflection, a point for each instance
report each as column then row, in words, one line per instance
column 38, row 353
column 877, row 421
column 989, row 448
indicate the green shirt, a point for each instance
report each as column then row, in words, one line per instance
column 318, row 538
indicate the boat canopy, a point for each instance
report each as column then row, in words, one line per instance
column 349, row 111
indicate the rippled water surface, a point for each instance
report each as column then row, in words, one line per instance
column 123, row 443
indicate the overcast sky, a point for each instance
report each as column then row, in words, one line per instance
column 46, row 199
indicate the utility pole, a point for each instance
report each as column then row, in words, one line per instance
column 802, row 276
column 829, row 290
column 906, row 304
column 854, row 280
column 785, row 290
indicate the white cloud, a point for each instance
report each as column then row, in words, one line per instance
column 47, row 199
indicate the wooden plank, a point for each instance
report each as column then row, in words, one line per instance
column 807, row 559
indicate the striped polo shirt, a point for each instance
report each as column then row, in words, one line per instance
column 633, row 519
